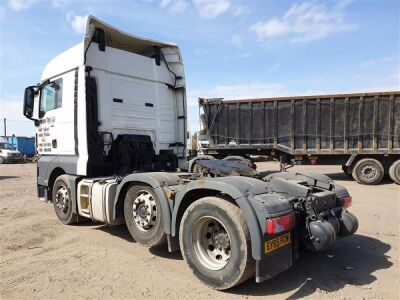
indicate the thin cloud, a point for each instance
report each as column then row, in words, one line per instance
column 377, row 61
column 175, row 6
column 2, row 12
column 60, row 3
column 78, row 23
column 210, row 9
column 18, row 5
column 240, row 91
column 236, row 40
column 304, row 22
column 240, row 10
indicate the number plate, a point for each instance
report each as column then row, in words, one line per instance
column 277, row 242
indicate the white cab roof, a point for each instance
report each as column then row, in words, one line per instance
column 74, row 57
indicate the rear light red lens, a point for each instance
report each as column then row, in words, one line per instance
column 279, row 224
column 346, row 201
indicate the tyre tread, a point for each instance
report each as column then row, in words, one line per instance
column 239, row 216
column 392, row 171
column 356, row 169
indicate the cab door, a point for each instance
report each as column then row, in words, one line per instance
column 56, row 117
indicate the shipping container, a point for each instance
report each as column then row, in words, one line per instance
column 330, row 129
column 25, row 145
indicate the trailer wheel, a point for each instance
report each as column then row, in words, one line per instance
column 62, row 200
column 394, row 171
column 143, row 216
column 215, row 242
column 368, row 171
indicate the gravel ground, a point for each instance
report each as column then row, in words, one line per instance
column 41, row 258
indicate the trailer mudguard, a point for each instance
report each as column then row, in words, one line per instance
column 158, row 181
column 248, row 193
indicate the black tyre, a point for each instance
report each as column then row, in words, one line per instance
column 2, row 160
column 394, row 171
column 143, row 216
column 62, row 200
column 215, row 242
column 368, row 171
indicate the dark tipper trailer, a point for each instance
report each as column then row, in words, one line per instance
column 361, row 132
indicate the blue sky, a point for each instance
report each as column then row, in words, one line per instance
column 231, row 49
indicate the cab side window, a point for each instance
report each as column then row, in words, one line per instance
column 51, row 96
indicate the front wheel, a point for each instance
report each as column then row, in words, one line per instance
column 215, row 242
column 62, row 200
column 143, row 216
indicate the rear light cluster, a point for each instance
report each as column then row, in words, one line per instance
column 279, row 224
column 346, row 201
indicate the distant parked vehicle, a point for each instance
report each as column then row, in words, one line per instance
column 9, row 154
column 25, row 145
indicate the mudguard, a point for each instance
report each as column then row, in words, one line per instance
column 311, row 179
column 251, row 195
column 158, row 181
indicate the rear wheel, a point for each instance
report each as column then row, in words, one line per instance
column 368, row 171
column 143, row 216
column 215, row 242
column 62, row 200
column 394, row 171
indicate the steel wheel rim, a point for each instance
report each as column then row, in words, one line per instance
column 144, row 211
column 62, row 199
column 369, row 172
column 211, row 242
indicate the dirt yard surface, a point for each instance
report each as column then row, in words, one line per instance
column 41, row 258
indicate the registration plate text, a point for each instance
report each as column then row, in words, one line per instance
column 277, row 242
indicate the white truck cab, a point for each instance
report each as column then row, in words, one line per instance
column 110, row 92
column 111, row 119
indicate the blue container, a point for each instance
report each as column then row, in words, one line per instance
column 25, row 145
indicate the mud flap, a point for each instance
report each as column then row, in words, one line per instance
column 273, row 264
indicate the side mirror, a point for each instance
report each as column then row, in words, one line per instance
column 29, row 101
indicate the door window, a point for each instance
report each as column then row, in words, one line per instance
column 51, row 96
